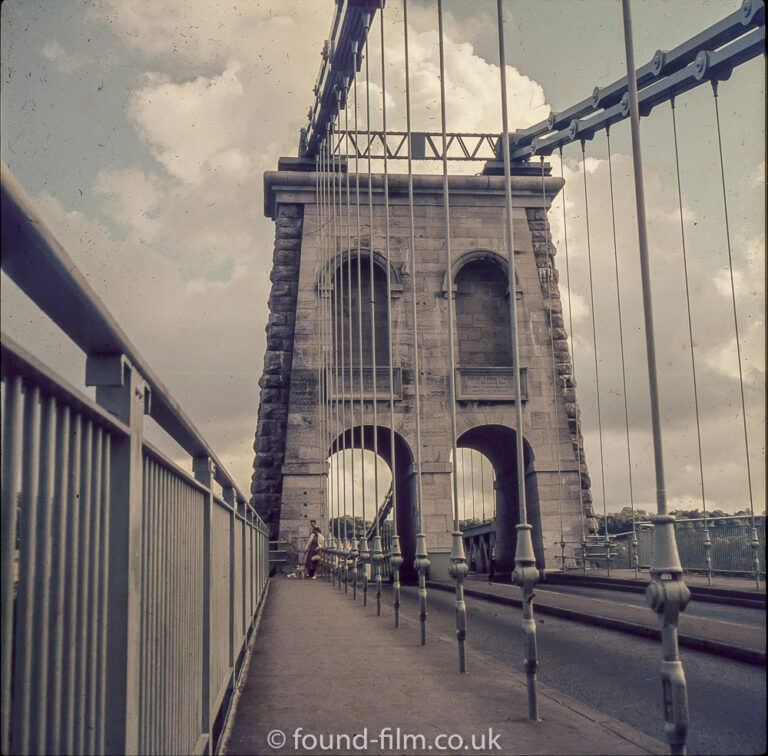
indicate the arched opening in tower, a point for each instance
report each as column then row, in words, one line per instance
column 396, row 494
column 359, row 488
column 482, row 315
column 352, row 334
column 477, row 507
column 498, row 444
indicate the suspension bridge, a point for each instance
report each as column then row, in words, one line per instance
column 434, row 398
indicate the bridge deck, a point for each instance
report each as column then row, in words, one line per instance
column 726, row 638
column 322, row 663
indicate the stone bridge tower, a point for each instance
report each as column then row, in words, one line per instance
column 289, row 480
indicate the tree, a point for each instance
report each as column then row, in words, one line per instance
column 621, row 522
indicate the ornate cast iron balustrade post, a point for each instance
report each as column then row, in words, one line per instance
column 396, row 561
column 458, row 571
column 755, row 545
column 708, row 552
column 377, row 559
column 339, row 553
column 668, row 595
column 421, row 563
column 635, row 555
column 526, row 576
column 325, row 560
column 331, row 570
column 345, row 558
column 332, row 552
column 353, row 556
column 334, row 562
column 365, row 560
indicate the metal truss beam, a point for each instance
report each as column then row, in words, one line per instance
column 346, row 37
column 424, row 145
column 710, row 55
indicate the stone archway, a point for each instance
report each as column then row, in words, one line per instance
column 400, row 462
column 498, row 444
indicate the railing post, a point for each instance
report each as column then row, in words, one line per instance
column 122, row 391
column 245, row 573
column 754, row 544
column 13, row 413
column 228, row 494
column 204, row 471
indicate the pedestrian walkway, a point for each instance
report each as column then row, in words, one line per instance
column 322, row 665
column 736, row 641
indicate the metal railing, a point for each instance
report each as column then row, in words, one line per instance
column 129, row 586
column 731, row 544
column 593, row 552
column 730, row 539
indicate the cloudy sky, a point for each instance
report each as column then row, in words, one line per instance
column 141, row 131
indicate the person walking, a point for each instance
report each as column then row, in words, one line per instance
column 313, row 551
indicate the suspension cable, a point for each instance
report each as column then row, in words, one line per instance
column 364, row 555
column 335, row 337
column 353, row 552
column 666, row 593
column 376, row 554
column 526, row 575
column 394, row 550
column 338, row 283
column 329, row 299
column 328, row 344
column 594, row 348
column 707, row 540
column 323, row 332
column 635, row 559
column 464, row 481
column 755, row 544
column 458, row 561
column 482, row 485
column 472, row 477
column 421, row 556
column 318, row 278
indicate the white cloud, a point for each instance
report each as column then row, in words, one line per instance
column 72, row 64
column 194, row 31
column 472, row 87
column 130, row 195
column 189, row 124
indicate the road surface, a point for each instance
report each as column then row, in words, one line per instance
column 618, row 673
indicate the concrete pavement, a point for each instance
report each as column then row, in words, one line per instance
column 321, row 664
